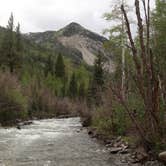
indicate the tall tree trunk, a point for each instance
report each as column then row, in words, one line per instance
column 123, row 55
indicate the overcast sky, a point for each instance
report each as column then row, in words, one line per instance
column 42, row 15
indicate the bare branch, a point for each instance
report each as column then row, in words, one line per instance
column 134, row 52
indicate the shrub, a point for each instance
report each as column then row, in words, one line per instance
column 43, row 103
column 85, row 113
column 13, row 104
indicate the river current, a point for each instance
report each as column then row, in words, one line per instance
column 52, row 142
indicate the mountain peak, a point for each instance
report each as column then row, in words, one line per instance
column 76, row 29
column 71, row 29
column 74, row 24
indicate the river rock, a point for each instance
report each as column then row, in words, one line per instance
column 115, row 150
column 19, row 127
column 90, row 132
column 162, row 156
column 27, row 123
column 124, row 151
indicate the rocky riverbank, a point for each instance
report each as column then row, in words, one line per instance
column 125, row 153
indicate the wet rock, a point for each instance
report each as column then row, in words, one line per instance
column 90, row 132
column 142, row 157
column 124, row 151
column 162, row 156
column 18, row 120
column 139, row 157
column 153, row 163
column 27, row 123
column 108, row 145
column 86, row 121
column 124, row 146
column 119, row 139
column 115, row 150
column 78, row 131
column 108, row 142
column 19, row 127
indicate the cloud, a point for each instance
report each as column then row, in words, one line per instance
column 42, row 15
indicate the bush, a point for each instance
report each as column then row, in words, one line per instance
column 85, row 113
column 13, row 104
column 42, row 102
column 102, row 121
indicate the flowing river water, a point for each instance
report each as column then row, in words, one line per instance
column 52, row 142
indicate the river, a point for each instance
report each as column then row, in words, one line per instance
column 52, row 142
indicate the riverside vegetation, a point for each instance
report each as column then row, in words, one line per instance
column 35, row 81
column 39, row 81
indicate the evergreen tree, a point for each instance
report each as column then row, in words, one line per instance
column 64, row 87
column 7, row 48
column 73, row 86
column 9, row 52
column 49, row 65
column 11, row 47
column 81, row 90
column 60, row 67
column 97, row 84
column 18, row 48
column 98, row 76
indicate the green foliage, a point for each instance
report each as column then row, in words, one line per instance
column 158, row 43
column 18, row 48
column 81, row 91
column 96, row 85
column 41, row 102
column 98, row 76
column 101, row 122
column 11, row 47
column 60, row 67
column 82, row 74
column 13, row 104
column 72, row 91
column 49, row 65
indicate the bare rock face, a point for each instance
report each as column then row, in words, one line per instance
column 76, row 42
column 82, row 44
column 162, row 156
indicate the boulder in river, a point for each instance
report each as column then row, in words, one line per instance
column 19, row 127
column 162, row 156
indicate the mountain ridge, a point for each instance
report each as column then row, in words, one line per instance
column 74, row 41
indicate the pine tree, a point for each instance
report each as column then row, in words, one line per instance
column 60, row 67
column 73, row 86
column 11, row 47
column 18, row 48
column 81, row 90
column 49, row 65
column 97, row 84
column 10, row 44
column 7, row 48
column 98, row 76
column 64, row 87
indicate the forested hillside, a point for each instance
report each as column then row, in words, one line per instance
column 36, row 81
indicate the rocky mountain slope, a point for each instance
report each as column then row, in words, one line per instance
column 73, row 41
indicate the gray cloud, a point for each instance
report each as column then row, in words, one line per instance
column 42, row 15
